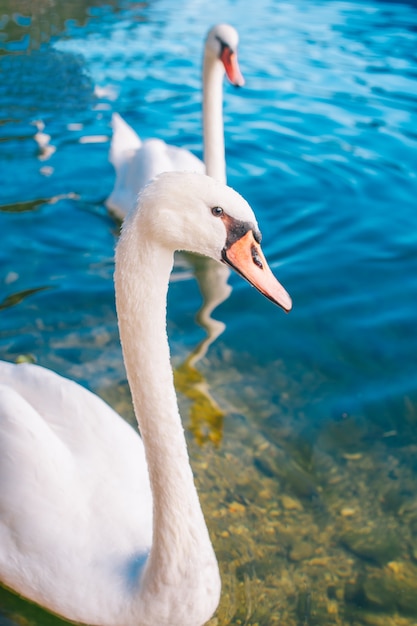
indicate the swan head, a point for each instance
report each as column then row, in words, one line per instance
column 195, row 213
column 221, row 43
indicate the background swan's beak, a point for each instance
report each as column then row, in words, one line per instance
column 246, row 257
column 231, row 66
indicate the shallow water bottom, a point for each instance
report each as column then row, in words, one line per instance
column 310, row 526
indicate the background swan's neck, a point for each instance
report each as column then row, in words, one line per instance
column 214, row 151
column 181, row 552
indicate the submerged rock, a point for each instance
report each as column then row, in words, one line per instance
column 301, row 550
column 377, row 545
column 291, row 504
column 391, row 590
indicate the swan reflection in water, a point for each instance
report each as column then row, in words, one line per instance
column 205, row 414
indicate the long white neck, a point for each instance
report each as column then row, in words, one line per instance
column 214, row 151
column 181, row 554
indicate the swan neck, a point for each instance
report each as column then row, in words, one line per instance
column 141, row 280
column 213, row 130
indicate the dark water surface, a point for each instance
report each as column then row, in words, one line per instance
column 305, row 448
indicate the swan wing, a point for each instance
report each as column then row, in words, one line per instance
column 124, row 139
column 136, row 163
column 75, row 501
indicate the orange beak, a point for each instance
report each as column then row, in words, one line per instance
column 246, row 257
column 231, row 66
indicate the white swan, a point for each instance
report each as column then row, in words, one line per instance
column 96, row 524
column 136, row 161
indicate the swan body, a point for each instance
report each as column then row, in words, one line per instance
column 136, row 161
column 98, row 524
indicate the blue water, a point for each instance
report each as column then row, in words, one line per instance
column 321, row 141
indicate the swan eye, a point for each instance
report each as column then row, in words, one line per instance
column 217, row 211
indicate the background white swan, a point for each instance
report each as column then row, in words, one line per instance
column 89, row 527
column 136, row 161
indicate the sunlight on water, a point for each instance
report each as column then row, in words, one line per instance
column 301, row 428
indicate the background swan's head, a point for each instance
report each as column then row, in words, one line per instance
column 221, row 43
column 194, row 212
